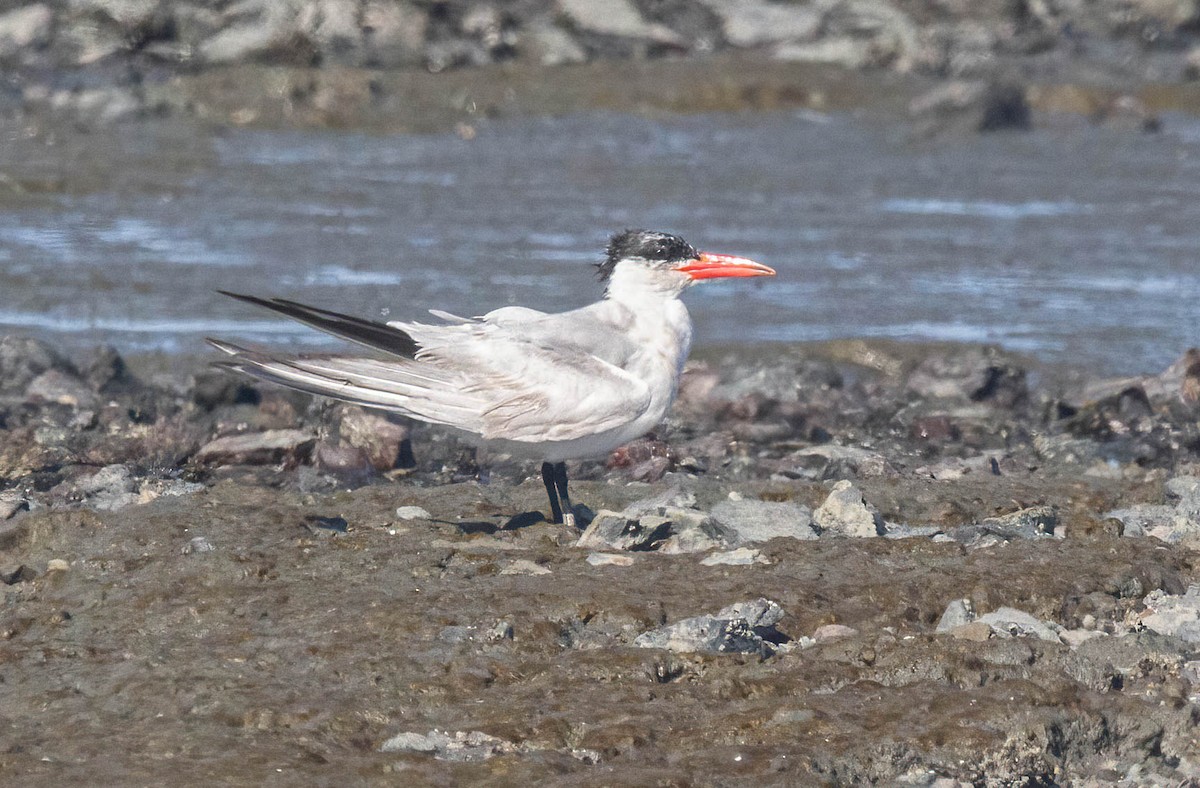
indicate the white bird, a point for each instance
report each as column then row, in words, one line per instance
column 549, row 386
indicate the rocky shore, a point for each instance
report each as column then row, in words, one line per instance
column 836, row 563
column 368, row 63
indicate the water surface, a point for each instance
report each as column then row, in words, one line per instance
column 1077, row 244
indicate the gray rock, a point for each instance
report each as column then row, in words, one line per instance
column 1025, row 523
column 957, row 613
column 10, row 504
column 258, row 448
column 609, row 559
column 60, row 387
column 742, row 556
column 450, row 746
column 616, row 18
column 675, row 531
column 1010, row 622
column 842, row 51
column 1187, row 490
column 845, row 513
column 760, row 521
column 745, row 627
column 1176, row 615
column 672, row 498
column 971, row 375
column 412, row 513
column 828, row 633
column 22, row 359
column 1143, row 518
column 393, row 33
column 751, row 23
column 27, row 26
column 550, row 45
column 830, row 461
column 198, row 544
column 110, row 489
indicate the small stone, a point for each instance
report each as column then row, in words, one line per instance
column 259, row 448
column 845, row 513
column 976, row 632
column 1076, row 637
column 412, row 513
column 57, row 565
column 1175, row 615
column 198, row 544
column 1010, row 622
column 745, row 627
column 957, row 613
column 60, row 387
column 459, row 746
column 10, row 505
column 609, row 559
column 831, row 632
column 760, row 521
column 742, row 556
column 501, row 630
column 524, row 566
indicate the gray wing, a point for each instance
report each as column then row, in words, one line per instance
column 515, row 374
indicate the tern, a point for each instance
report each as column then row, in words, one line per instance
column 545, row 386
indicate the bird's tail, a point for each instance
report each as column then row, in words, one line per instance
column 400, row 385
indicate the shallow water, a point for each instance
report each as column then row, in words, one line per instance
column 1076, row 244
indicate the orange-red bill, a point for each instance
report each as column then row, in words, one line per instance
column 718, row 266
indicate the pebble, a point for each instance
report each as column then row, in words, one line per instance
column 741, row 556
column 976, row 632
column 57, row 565
column 957, row 613
column 1175, row 615
column 744, row 627
column 412, row 513
column 198, row 544
column 9, row 506
column 524, row 566
column 457, row 746
column 831, row 632
column 609, row 559
column 1010, row 622
column 761, row 521
column 258, row 448
column 845, row 513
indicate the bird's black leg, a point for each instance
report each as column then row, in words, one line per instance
column 548, row 479
column 564, row 498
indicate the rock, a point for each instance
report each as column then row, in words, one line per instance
column 616, row 18
column 62, row 388
column 845, row 513
column 671, row 498
column 1175, row 615
column 1005, row 107
column 742, row 556
column 1127, row 113
column 198, row 544
column 549, row 45
column 609, row 559
column 970, row 375
column 214, row 388
column 752, row 23
column 258, row 448
column 831, row 461
column 1024, row 524
column 674, row 531
column 457, row 746
column 106, row 370
column 393, row 33
column 1077, row 637
column 958, row 613
column 760, row 521
column 57, row 565
column 831, row 632
column 22, row 359
column 381, row 438
column 975, row 632
column 109, row 489
column 745, row 627
column 25, row 27
column 1010, row 622
column 1191, row 64
column 524, row 566
column 412, row 513
column 1144, row 518
column 843, row 51
column 10, row 504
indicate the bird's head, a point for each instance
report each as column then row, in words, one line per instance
column 650, row 260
